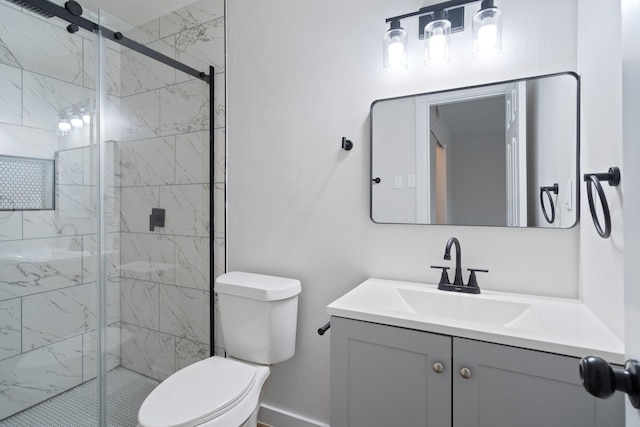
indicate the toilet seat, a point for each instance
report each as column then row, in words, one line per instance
column 202, row 392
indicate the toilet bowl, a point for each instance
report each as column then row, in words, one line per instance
column 258, row 316
column 214, row 392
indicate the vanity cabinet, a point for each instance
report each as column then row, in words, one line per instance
column 385, row 376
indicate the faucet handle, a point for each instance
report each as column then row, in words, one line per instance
column 444, row 278
column 473, row 282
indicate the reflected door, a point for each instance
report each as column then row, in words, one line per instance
column 516, row 154
column 441, row 181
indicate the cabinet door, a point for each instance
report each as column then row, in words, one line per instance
column 516, row 387
column 383, row 376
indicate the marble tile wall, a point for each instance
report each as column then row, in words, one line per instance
column 48, row 289
column 165, row 151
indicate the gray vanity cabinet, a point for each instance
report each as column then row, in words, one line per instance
column 384, row 376
column 516, row 387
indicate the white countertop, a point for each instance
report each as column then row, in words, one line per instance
column 555, row 325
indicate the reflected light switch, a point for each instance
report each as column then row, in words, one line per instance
column 399, row 182
column 411, row 181
column 568, row 194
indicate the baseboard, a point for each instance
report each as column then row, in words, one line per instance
column 276, row 417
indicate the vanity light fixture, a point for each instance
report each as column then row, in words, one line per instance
column 73, row 118
column 435, row 25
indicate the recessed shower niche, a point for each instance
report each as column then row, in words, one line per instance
column 26, row 183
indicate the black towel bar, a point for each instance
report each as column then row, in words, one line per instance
column 548, row 190
column 324, row 328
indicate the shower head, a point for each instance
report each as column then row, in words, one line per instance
column 31, row 7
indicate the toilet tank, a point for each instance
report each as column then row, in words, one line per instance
column 258, row 316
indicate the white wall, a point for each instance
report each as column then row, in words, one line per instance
column 301, row 75
column 599, row 64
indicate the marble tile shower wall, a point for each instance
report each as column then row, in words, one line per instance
column 165, row 164
column 48, row 291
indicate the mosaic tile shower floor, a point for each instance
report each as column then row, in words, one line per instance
column 78, row 407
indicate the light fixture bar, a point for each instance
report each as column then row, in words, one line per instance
column 430, row 9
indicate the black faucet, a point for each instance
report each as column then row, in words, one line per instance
column 447, row 255
column 458, row 284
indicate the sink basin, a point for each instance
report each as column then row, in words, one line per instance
column 555, row 325
column 458, row 307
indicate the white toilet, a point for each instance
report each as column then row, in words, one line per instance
column 258, row 317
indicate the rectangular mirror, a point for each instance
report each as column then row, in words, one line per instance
column 503, row 154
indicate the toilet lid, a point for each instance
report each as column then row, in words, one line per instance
column 197, row 393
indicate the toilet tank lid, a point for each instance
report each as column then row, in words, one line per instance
column 257, row 286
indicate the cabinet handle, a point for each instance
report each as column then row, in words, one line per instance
column 465, row 373
column 438, row 368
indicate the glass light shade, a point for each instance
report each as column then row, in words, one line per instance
column 86, row 118
column 395, row 48
column 436, row 39
column 487, row 32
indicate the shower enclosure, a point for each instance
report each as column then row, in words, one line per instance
column 106, row 201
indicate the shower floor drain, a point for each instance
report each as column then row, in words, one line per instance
column 78, row 407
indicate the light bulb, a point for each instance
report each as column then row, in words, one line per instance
column 396, row 53
column 64, row 126
column 77, row 122
column 438, row 47
column 487, row 37
column 86, row 119
column 437, row 42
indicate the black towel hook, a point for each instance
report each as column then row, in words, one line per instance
column 346, row 144
column 613, row 178
column 548, row 190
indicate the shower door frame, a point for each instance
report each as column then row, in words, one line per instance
column 114, row 36
column 76, row 22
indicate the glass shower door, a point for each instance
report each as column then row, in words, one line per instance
column 105, row 211
column 156, row 137
column 48, row 286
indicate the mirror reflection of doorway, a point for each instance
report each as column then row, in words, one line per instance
column 472, row 132
column 441, row 180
